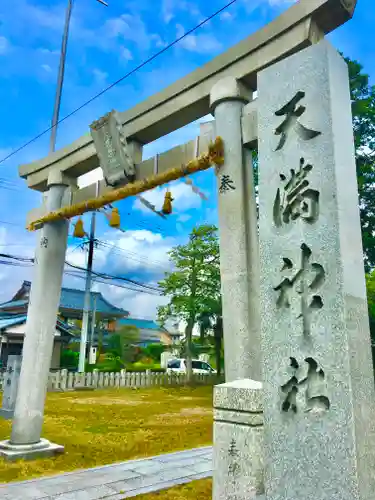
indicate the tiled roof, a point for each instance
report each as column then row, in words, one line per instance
column 12, row 320
column 70, row 299
column 14, row 303
column 6, row 322
column 148, row 336
column 142, row 324
column 74, row 299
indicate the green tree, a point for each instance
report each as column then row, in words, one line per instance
column 121, row 343
column 363, row 110
column 212, row 321
column 194, row 285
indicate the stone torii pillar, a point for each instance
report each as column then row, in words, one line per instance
column 25, row 441
column 239, row 255
column 238, row 427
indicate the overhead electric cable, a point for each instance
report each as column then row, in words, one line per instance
column 131, row 72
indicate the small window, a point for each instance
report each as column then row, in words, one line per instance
column 198, row 365
column 174, row 363
column 207, row 367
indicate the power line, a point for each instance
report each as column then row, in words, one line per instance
column 28, row 263
column 99, row 275
column 12, row 224
column 17, row 257
column 129, row 254
column 110, row 276
column 131, row 72
column 117, row 285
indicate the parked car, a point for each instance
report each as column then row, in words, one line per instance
column 179, row 366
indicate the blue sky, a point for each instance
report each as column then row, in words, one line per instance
column 104, row 44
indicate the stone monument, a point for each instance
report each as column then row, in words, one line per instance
column 238, row 439
column 10, row 386
column 317, row 368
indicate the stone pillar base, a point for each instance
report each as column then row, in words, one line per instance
column 238, row 440
column 44, row 448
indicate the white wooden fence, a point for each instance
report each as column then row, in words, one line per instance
column 64, row 380
column 68, row 381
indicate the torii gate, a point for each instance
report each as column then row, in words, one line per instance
column 225, row 87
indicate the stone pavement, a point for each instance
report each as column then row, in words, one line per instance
column 117, row 481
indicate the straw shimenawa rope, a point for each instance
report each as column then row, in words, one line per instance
column 215, row 156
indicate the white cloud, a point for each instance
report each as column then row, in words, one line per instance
column 226, row 16
column 252, row 5
column 119, row 252
column 183, row 218
column 4, row 45
column 89, row 178
column 51, row 18
column 139, row 305
column 99, row 75
column 49, row 52
column 201, row 43
column 47, row 68
column 280, row 2
column 159, row 42
column 3, row 236
column 183, row 196
column 170, row 7
column 130, row 27
column 17, row 242
column 168, row 10
column 138, row 250
column 3, row 153
column 126, row 54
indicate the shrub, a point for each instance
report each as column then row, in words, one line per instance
column 140, row 367
column 145, row 361
column 154, row 351
column 69, row 359
column 74, row 346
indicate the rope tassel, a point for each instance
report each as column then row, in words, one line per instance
column 215, row 156
column 114, row 221
column 79, row 232
column 167, row 205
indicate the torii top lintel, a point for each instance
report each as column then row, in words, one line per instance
column 186, row 100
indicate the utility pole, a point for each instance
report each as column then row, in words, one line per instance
column 55, row 121
column 60, row 77
column 87, row 299
column 93, row 323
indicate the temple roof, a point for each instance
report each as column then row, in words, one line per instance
column 71, row 301
column 142, row 324
column 7, row 320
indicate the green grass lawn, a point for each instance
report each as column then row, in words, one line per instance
column 196, row 490
column 107, row 426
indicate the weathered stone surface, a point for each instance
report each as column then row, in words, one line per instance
column 169, row 471
column 11, row 379
column 243, row 395
column 239, row 267
column 238, row 440
column 43, row 448
column 317, row 369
